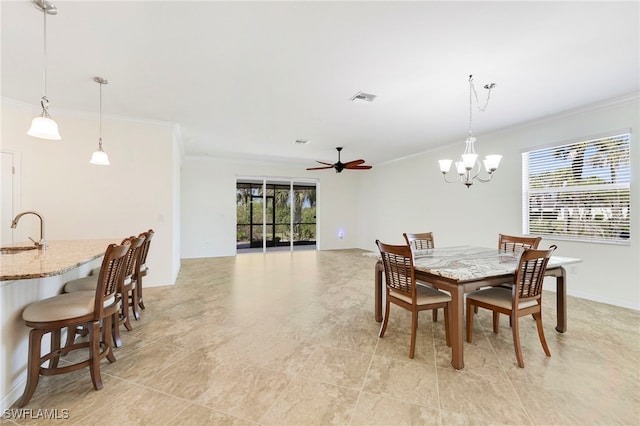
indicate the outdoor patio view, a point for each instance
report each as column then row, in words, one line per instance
column 273, row 216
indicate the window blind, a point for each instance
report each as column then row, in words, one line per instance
column 579, row 190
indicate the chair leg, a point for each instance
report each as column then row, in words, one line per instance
column 471, row 308
column 139, row 293
column 33, row 367
column 55, row 347
column 446, row 326
column 135, row 302
column 385, row 320
column 434, row 315
column 115, row 329
column 107, row 334
column 94, row 354
column 538, row 317
column 71, row 337
column 496, row 322
column 414, row 329
column 125, row 312
column 516, row 340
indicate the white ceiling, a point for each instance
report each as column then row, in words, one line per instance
column 245, row 79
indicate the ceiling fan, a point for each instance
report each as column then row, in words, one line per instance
column 340, row 166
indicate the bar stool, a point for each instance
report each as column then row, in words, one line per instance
column 144, row 269
column 85, row 309
column 127, row 290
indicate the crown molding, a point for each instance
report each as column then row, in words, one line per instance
column 35, row 110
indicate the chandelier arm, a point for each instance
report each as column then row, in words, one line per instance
column 478, row 178
column 457, row 179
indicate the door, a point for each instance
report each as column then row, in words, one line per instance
column 275, row 215
column 7, row 170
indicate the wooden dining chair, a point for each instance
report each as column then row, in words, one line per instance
column 515, row 244
column 92, row 311
column 524, row 298
column 401, row 290
column 422, row 241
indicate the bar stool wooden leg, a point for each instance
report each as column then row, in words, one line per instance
column 94, row 354
column 33, row 366
column 55, row 347
column 135, row 302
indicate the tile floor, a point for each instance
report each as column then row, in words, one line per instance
column 290, row 339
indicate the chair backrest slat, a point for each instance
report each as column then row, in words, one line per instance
column 532, row 265
column 145, row 247
column 398, row 267
column 133, row 256
column 513, row 243
column 110, row 276
column 420, row 241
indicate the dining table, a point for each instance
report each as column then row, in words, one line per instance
column 462, row 269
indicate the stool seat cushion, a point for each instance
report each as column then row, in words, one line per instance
column 499, row 296
column 63, row 307
column 82, row 284
column 424, row 295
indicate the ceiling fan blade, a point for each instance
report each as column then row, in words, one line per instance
column 322, row 162
column 358, row 167
column 320, row 168
column 353, row 163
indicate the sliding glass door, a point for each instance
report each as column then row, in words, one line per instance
column 275, row 215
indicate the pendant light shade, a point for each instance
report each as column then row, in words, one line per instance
column 99, row 157
column 44, row 127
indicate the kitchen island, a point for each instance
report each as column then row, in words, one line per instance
column 27, row 276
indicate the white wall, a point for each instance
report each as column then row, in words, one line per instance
column 410, row 196
column 138, row 191
column 209, row 204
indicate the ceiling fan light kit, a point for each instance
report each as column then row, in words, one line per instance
column 340, row 166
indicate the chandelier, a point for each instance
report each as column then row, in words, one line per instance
column 468, row 166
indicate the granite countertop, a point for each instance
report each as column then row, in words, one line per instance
column 59, row 257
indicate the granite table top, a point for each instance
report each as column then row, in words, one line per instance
column 468, row 263
column 59, row 257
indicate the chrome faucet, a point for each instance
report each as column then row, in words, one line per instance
column 42, row 244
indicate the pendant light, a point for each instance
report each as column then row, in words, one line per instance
column 99, row 157
column 44, row 127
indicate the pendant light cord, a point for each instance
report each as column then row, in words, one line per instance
column 472, row 93
column 44, row 74
column 100, row 138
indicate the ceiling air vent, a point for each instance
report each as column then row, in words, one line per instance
column 301, row 141
column 362, row 97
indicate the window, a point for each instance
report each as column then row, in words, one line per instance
column 579, row 191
